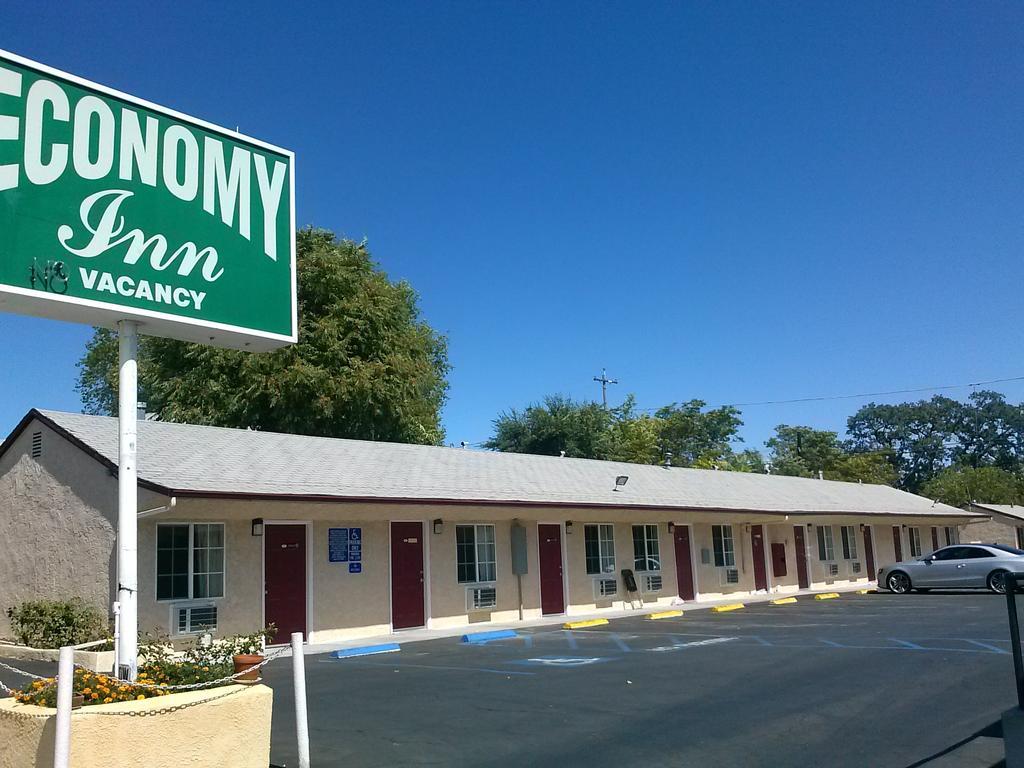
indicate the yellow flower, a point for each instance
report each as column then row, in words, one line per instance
column 107, row 700
column 140, row 697
column 86, row 691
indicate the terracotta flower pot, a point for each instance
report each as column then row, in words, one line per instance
column 247, row 661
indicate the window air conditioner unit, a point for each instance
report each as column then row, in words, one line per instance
column 481, row 598
column 730, row 576
column 194, row 619
column 652, row 582
column 833, row 569
column 605, row 588
column 855, row 566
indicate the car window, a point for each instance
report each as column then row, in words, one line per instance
column 949, row 553
column 1005, row 548
column 976, row 552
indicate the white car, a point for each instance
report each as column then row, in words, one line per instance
column 960, row 566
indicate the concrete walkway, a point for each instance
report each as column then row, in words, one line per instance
column 417, row 635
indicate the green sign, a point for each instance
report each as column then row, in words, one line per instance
column 112, row 208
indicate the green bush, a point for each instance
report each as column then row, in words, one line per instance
column 55, row 623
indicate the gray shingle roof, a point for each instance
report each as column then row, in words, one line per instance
column 186, row 459
column 1010, row 510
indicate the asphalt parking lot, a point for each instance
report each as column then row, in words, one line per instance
column 878, row 679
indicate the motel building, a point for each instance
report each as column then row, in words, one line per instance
column 342, row 539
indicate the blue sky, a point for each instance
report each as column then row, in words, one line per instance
column 729, row 201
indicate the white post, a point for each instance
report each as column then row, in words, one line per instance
column 299, row 684
column 65, row 688
column 127, row 500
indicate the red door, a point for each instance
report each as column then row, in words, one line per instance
column 801, row 557
column 407, row 608
column 549, row 542
column 897, row 543
column 757, row 552
column 779, row 569
column 869, row 552
column 284, row 579
column 684, row 563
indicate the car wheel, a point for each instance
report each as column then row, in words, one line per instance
column 898, row 582
column 997, row 582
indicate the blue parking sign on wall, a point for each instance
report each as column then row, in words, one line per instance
column 345, row 545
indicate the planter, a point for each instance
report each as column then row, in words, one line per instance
column 94, row 661
column 227, row 726
column 247, row 661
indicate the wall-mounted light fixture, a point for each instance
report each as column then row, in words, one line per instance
column 620, row 481
column 257, row 526
column 438, row 526
column 671, row 527
column 809, row 526
column 862, row 526
column 568, row 526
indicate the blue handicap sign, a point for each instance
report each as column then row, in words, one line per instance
column 355, row 534
column 355, row 567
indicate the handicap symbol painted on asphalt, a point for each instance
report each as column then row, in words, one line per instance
column 561, row 661
column 694, row 644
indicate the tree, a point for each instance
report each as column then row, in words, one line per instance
column 582, row 430
column 917, row 437
column 959, row 486
column 366, row 365
column 803, row 451
column 686, row 435
column 693, row 435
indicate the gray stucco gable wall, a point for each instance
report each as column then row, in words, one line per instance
column 57, row 523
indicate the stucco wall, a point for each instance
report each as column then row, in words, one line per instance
column 994, row 531
column 230, row 731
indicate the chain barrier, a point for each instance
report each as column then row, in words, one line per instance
column 210, row 683
column 17, row 671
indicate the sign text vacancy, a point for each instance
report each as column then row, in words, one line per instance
column 112, row 208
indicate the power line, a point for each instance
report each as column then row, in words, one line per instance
column 823, row 398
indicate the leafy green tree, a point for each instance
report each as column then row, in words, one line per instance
column 366, row 364
column 988, row 431
column 918, row 438
column 580, row 429
column 863, row 468
column 684, row 434
column 693, row 435
column 803, row 451
column 960, row 486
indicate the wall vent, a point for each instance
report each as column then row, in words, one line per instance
column 37, row 444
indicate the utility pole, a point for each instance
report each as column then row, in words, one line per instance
column 605, row 381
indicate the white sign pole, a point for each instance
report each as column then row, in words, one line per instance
column 127, row 500
column 65, row 692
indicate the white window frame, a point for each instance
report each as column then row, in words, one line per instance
column 848, row 537
column 477, row 581
column 728, row 554
column 602, row 555
column 647, row 541
column 913, row 532
column 191, row 599
column 951, row 534
column 826, row 544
